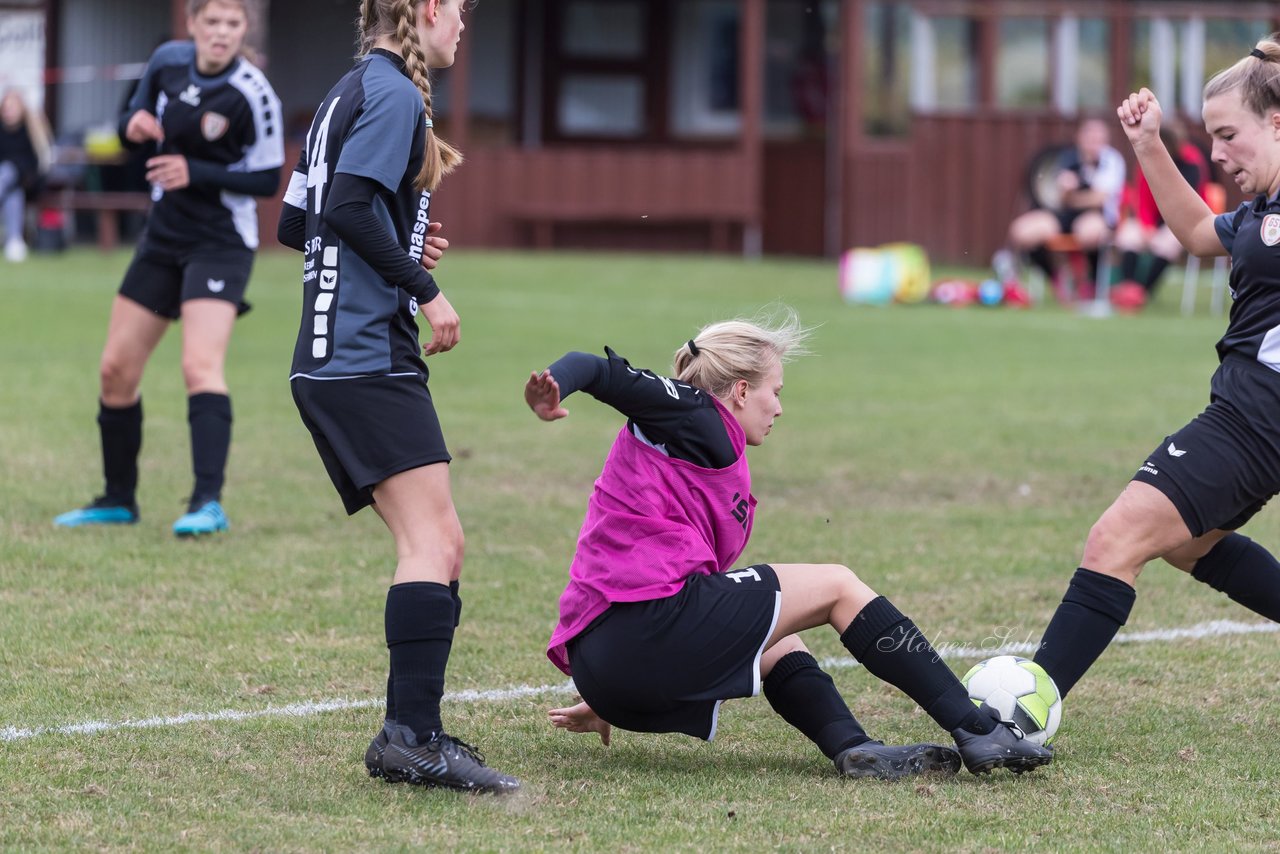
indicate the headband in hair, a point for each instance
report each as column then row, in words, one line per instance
column 1259, row 54
column 693, row 348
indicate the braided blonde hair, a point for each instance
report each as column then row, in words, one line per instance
column 397, row 18
column 731, row 350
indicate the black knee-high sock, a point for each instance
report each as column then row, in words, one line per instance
column 1040, row 257
column 391, row 679
column 1092, row 611
column 121, row 431
column 1129, row 267
column 891, row 647
column 391, row 694
column 805, row 697
column 1155, row 268
column 1245, row 571
column 209, row 417
column 419, row 627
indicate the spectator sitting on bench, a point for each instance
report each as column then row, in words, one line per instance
column 1078, row 194
column 24, row 157
column 1146, row 244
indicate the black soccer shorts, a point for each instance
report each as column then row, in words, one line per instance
column 1222, row 468
column 666, row 665
column 369, row 428
column 162, row 278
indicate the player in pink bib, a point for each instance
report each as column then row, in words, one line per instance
column 656, row 626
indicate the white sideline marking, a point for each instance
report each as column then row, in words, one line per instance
column 1212, row 629
column 294, row 710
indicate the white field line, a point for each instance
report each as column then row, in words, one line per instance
column 1213, row 629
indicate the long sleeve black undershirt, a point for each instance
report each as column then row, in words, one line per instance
column 681, row 419
column 207, row 174
column 348, row 210
column 291, row 231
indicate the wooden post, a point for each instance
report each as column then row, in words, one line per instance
column 847, row 124
column 751, row 97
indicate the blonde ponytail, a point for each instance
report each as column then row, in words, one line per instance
column 731, row 350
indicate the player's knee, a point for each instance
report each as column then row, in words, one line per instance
column 200, row 374
column 118, row 378
column 1111, row 550
column 787, row 645
column 851, row 588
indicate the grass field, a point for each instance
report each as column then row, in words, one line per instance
column 954, row 458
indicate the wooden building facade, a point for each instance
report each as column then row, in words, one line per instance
column 775, row 126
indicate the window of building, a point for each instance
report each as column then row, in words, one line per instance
column 886, row 69
column 946, row 69
column 600, row 78
column 1022, row 63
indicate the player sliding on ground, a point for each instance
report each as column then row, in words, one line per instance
column 656, row 626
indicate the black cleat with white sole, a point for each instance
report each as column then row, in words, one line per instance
column 1003, row 747
column 878, row 761
column 441, row 761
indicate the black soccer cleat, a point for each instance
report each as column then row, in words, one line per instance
column 1003, row 747
column 441, row 761
column 373, row 753
column 875, row 760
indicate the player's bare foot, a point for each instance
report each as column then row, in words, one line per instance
column 580, row 718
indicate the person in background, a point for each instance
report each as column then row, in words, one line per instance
column 25, row 153
column 1146, row 244
column 214, row 124
column 1082, row 199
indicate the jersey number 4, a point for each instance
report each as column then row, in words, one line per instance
column 317, row 151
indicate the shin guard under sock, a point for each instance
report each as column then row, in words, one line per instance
column 805, row 697
column 121, row 431
column 419, row 628
column 891, row 647
column 1092, row 611
column 209, row 418
column 1245, row 571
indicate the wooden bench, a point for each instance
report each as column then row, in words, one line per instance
column 108, row 205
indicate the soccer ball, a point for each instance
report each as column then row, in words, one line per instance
column 1020, row 691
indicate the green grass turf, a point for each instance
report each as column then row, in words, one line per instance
column 954, row 458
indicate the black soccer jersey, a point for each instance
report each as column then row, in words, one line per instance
column 1251, row 233
column 355, row 321
column 228, row 127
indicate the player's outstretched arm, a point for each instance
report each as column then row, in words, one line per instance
column 581, row 718
column 542, row 393
column 1187, row 215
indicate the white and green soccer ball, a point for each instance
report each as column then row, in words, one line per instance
column 1020, row 691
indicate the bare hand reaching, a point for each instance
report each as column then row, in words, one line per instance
column 581, row 718
column 542, row 393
